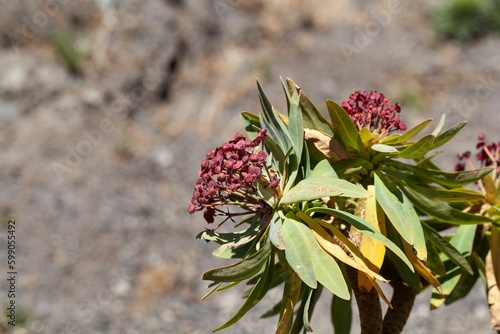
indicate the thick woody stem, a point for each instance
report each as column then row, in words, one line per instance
column 370, row 311
column 402, row 303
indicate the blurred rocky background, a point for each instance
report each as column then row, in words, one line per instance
column 108, row 107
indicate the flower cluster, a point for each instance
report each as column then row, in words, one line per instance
column 488, row 155
column 372, row 110
column 228, row 176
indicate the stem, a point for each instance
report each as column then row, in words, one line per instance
column 370, row 311
column 402, row 303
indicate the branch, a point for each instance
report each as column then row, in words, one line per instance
column 370, row 311
column 402, row 303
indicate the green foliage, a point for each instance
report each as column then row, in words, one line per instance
column 359, row 199
column 69, row 53
column 465, row 20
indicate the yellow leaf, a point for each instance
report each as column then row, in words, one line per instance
column 420, row 267
column 370, row 281
column 373, row 250
column 331, row 246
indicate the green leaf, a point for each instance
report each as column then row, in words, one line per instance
column 276, row 233
column 296, row 127
column 324, row 268
column 311, row 301
column 323, row 182
column 409, row 134
column 434, row 262
column 444, row 137
column 299, row 250
column 440, row 125
column 418, row 149
column 323, row 169
column 450, row 180
column 313, row 188
column 441, row 211
column 242, row 270
column 251, row 123
column 341, row 313
column 444, row 246
column 408, row 274
column 450, row 196
column 462, row 288
column 310, row 114
column 276, row 151
column 398, row 209
column 305, row 312
column 365, row 228
column 384, row 148
column 352, row 166
column 345, row 130
column 270, row 120
column 462, row 240
column 258, row 292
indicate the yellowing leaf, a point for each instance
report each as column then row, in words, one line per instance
column 420, row 267
column 373, row 250
column 330, row 245
column 367, row 280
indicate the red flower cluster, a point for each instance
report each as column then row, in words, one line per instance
column 372, row 110
column 488, row 155
column 228, row 175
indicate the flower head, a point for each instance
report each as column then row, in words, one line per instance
column 229, row 176
column 487, row 155
column 372, row 110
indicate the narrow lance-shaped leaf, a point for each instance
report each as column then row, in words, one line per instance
column 418, row 149
column 299, row 250
column 450, row 180
column 434, row 262
column 258, row 292
column 311, row 116
column 443, row 245
column 440, row 125
column 444, row 137
column 440, row 210
column 273, row 123
column 420, row 267
column 242, row 270
column 462, row 240
column 251, row 123
column 326, row 270
column 409, row 134
column 365, row 228
column 291, row 294
column 328, row 243
column 400, row 212
column 323, row 182
column 373, row 250
column 345, row 130
column 341, row 312
column 296, row 127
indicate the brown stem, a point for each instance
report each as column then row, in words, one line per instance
column 370, row 311
column 402, row 303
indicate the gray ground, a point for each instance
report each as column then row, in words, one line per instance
column 97, row 167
